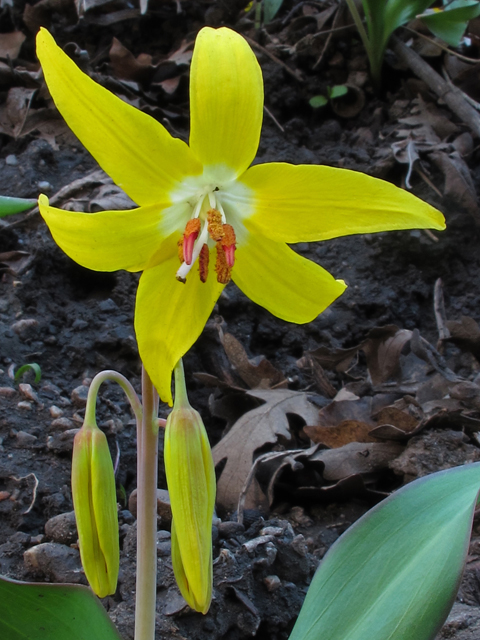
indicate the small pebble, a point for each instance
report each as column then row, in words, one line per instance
column 272, row 582
column 55, row 411
column 62, row 528
column 27, row 391
column 4, row 495
column 62, row 424
column 62, row 442
column 25, row 440
column 164, row 509
column 43, row 185
column 57, row 562
column 79, row 396
column 11, row 160
column 229, row 529
column 7, row 392
column 24, row 327
column 24, row 405
column 299, row 545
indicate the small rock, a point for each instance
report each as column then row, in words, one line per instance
column 79, row 325
column 43, row 185
column 24, row 327
column 164, row 509
column 164, row 548
column 79, row 396
column 27, row 391
column 7, row 392
column 4, row 495
column 271, row 531
column 37, row 539
column 11, row 160
column 299, row 545
column 126, row 516
column 55, row 411
column 272, row 582
column 62, row 442
column 107, row 305
column 62, row 424
column 24, row 405
column 229, row 529
column 55, row 561
column 62, row 528
column 25, row 440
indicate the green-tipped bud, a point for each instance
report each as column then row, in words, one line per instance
column 95, row 503
column 191, row 484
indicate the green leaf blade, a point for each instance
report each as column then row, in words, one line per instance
column 36, row 611
column 10, row 206
column 395, row 573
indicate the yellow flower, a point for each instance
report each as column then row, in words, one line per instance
column 191, row 485
column 206, row 198
column 95, row 504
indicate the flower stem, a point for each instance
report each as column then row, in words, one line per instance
column 147, row 472
column 97, row 381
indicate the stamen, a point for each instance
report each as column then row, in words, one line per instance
column 215, row 226
column 180, row 249
column 203, row 259
column 223, row 270
column 185, row 268
column 190, row 235
column 229, row 242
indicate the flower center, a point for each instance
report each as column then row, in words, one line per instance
column 207, row 228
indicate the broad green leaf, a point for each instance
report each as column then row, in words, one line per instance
column 9, row 206
column 337, row 91
column 450, row 24
column 318, row 101
column 270, row 8
column 31, row 611
column 34, row 367
column 395, row 573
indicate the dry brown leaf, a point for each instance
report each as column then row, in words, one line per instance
column 382, row 349
column 255, row 429
column 262, row 375
column 11, row 43
column 356, row 458
column 465, row 333
column 111, row 198
column 16, row 261
column 127, row 67
column 344, row 433
column 458, row 181
column 339, row 410
column 331, row 359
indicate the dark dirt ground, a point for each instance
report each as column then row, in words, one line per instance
column 74, row 323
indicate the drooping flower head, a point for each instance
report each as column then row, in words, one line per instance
column 205, row 215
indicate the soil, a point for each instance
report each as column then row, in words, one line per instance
column 74, row 323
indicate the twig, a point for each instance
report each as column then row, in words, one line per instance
column 440, row 45
column 440, row 315
column 269, row 113
column 336, row 19
column 294, row 74
column 426, row 179
column 452, row 96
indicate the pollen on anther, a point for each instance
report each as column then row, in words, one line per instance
column 189, row 236
column 215, row 225
column 229, row 242
column 180, row 249
column 203, row 263
column 222, row 268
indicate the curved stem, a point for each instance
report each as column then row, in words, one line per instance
column 95, row 385
column 147, row 472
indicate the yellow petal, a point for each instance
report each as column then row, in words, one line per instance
column 307, row 202
column 274, row 276
column 133, row 148
column 108, row 240
column 169, row 316
column 226, row 102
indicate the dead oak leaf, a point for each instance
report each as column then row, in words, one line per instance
column 255, row 429
column 344, row 433
column 256, row 375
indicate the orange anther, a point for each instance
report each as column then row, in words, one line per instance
column 189, row 236
column 229, row 242
column 223, row 270
column 215, row 226
column 203, row 263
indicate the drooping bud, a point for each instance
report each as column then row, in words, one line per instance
column 189, row 236
column 191, row 484
column 95, row 504
column 203, row 259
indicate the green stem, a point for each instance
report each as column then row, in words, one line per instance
column 98, row 380
column 147, row 472
column 181, row 397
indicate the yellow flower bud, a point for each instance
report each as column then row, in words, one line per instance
column 191, row 484
column 95, row 504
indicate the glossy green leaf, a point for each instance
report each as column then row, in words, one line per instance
column 395, row 573
column 34, row 367
column 31, row 611
column 9, row 206
column 270, row 8
column 318, row 101
column 450, row 24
